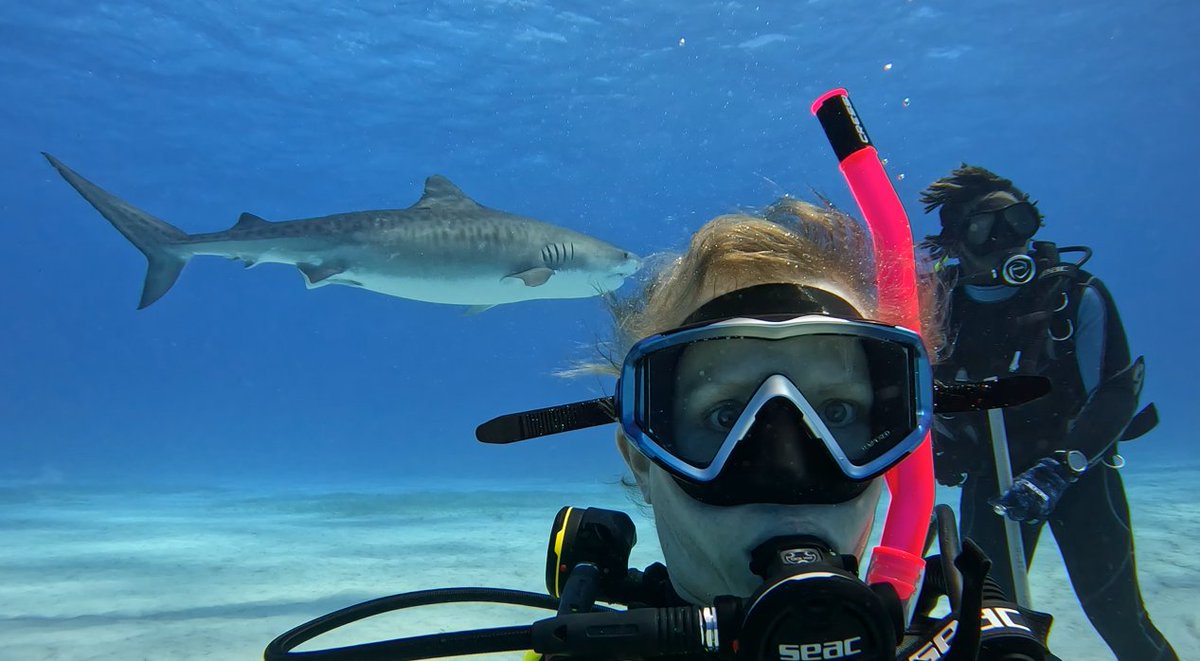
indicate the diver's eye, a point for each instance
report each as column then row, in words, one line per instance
column 722, row 416
column 838, row 413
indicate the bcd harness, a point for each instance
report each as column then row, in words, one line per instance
column 1042, row 321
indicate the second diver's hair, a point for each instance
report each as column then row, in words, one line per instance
column 951, row 194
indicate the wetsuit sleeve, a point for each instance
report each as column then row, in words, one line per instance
column 1111, row 398
column 1090, row 322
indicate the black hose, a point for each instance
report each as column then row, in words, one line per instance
column 458, row 643
column 1087, row 253
column 973, row 564
column 950, row 547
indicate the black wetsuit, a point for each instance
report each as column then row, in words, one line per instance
column 1091, row 522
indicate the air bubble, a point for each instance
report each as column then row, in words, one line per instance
column 887, row 67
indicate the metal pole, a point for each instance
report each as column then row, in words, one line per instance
column 1012, row 529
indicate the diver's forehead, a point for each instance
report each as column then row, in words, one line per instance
column 992, row 201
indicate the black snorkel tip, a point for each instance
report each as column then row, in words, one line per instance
column 516, row 427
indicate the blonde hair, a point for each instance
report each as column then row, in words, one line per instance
column 793, row 241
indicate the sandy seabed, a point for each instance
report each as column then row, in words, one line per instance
column 126, row 573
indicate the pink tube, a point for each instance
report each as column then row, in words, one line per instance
column 898, row 560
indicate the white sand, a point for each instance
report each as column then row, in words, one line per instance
column 99, row 574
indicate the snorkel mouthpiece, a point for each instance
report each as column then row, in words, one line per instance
column 898, row 560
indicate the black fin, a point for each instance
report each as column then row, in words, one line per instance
column 441, row 192
column 161, row 273
column 249, row 221
column 534, row 277
column 317, row 273
column 1142, row 423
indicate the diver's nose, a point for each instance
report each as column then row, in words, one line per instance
column 779, row 442
column 779, row 461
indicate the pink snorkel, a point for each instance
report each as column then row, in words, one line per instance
column 898, row 559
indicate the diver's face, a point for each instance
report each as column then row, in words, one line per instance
column 779, row 461
column 707, row 546
column 979, row 261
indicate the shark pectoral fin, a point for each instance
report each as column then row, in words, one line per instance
column 317, row 274
column 476, row 309
column 534, row 277
column 248, row 221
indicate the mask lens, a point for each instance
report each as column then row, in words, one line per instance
column 856, row 394
column 1022, row 219
column 977, row 228
column 985, row 231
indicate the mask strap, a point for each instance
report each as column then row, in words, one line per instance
column 515, row 427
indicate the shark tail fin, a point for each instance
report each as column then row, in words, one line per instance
column 162, row 243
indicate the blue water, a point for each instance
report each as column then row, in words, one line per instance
column 631, row 121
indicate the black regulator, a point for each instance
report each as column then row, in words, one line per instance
column 1042, row 262
column 810, row 606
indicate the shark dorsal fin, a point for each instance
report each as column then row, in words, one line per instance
column 441, row 192
column 249, row 221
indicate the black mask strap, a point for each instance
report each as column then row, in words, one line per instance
column 772, row 300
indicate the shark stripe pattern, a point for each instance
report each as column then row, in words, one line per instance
column 446, row 248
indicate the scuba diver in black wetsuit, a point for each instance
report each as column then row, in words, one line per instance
column 1016, row 308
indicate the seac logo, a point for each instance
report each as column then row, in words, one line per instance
column 800, row 556
column 990, row 619
column 834, row 649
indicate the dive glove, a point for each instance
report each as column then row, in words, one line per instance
column 1034, row 493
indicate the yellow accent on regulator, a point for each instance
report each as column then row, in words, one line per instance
column 558, row 545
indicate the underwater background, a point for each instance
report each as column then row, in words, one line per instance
column 192, row 479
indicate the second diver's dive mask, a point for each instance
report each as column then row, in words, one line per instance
column 994, row 233
column 985, row 230
column 777, row 409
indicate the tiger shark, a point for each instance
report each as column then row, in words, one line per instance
column 446, row 248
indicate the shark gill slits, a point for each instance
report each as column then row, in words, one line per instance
column 554, row 255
